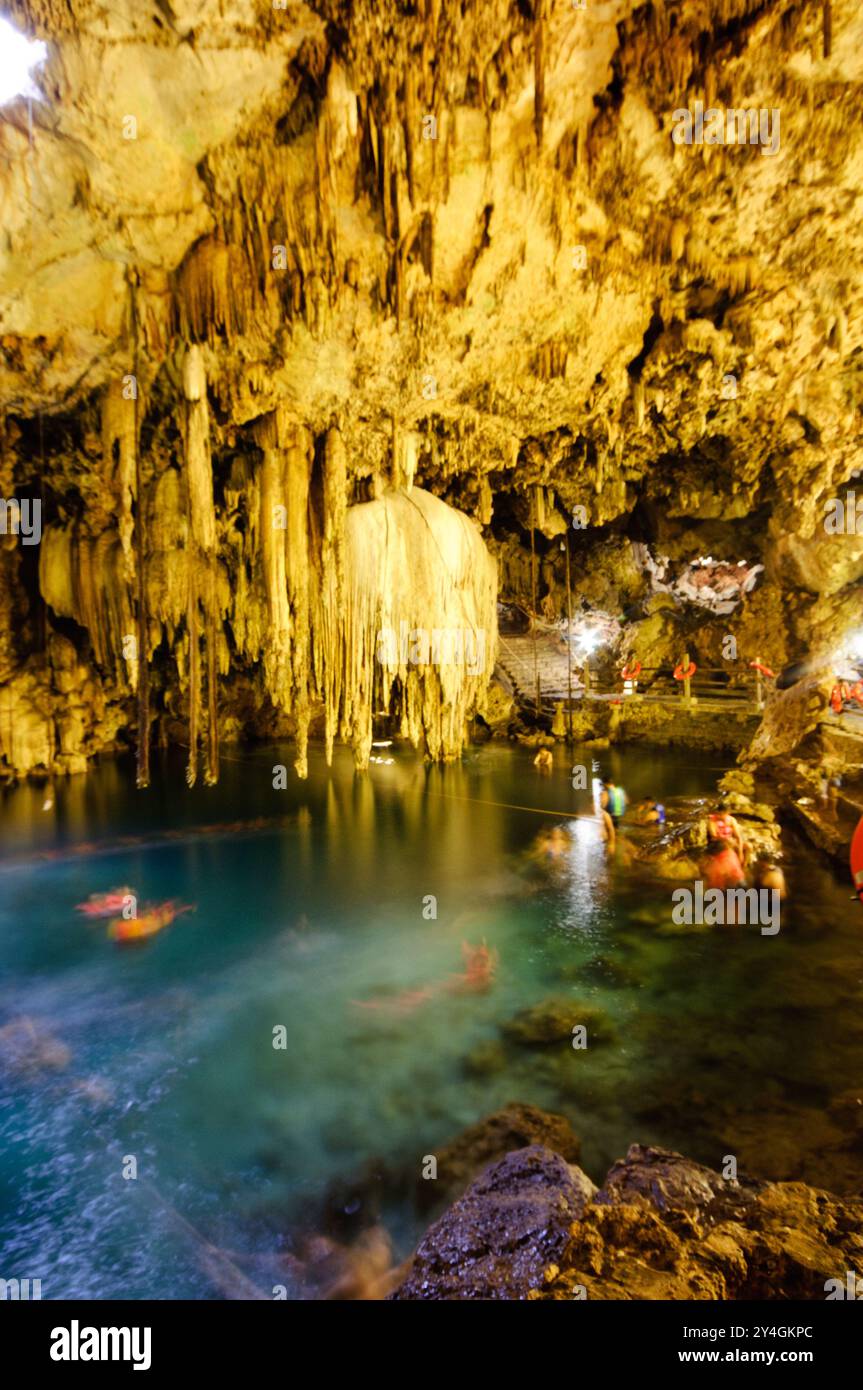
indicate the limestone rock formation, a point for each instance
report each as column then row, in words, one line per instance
column 661, row 1227
column 265, row 266
column 517, row 1126
column 500, row 1237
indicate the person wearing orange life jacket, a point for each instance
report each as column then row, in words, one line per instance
column 721, row 825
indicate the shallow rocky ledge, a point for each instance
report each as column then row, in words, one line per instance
column 533, row 1226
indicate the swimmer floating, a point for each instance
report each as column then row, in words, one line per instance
column 481, row 964
column 126, row 930
column 106, row 904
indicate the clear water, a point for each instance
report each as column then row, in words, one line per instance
column 727, row 1042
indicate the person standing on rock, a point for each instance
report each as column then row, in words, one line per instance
column 721, row 825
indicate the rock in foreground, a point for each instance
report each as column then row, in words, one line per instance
column 661, row 1227
column 516, row 1126
column 497, row 1241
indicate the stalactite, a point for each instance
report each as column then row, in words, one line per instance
column 118, row 430
column 677, row 240
column 212, row 770
column 539, row 73
column 298, row 465
column 84, row 577
column 214, row 291
column 194, row 681
column 410, row 124
column 329, row 668
column 283, row 527
column 486, row 502
column 638, row 403
column 202, row 557
column 414, row 568
column 142, row 773
column 272, row 524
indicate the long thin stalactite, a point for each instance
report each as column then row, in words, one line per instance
column 142, row 775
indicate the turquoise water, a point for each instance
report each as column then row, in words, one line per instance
column 726, row 1042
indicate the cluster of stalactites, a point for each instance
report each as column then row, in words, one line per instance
column 417, row 632
column 281, row 540
column 133, row 585
column 386, row 607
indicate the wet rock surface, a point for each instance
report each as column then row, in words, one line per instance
column 517, row 1126
column 661, row 1227
column 553, row 1020
column 499, row 1238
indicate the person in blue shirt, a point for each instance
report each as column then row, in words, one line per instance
column 654, row 812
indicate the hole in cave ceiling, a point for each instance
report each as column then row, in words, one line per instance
column 18, row 57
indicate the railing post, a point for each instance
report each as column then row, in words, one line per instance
column 586, row 676
column 759, row 694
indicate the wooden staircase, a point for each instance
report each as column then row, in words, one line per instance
column 516, row 671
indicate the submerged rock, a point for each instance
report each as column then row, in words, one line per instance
column 552, row 1020
column 486, row 1059
column 608, row 971
column 28, row 1049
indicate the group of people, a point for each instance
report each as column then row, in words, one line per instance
column 727, row 862
column 728, row 856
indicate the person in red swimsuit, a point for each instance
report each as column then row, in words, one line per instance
column 722, row 867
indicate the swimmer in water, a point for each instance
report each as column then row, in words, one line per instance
column 654, row 812
column 614, row 800
column 480, row 965
column 478, row 976
column 543, row 762
column 400, row 1005
column 131, row 929
column 766, row 874
column 552, row 844
column 722, row 867
column 106, row 904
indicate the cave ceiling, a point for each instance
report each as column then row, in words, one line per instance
column 494, row 254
